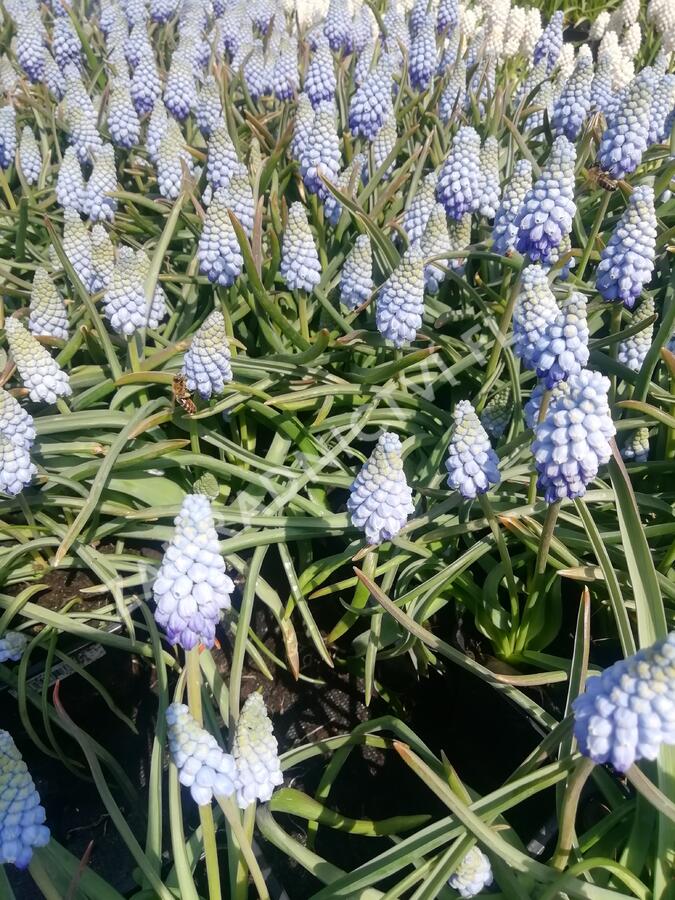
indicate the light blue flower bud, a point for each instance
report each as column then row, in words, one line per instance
column 12, row 645
column 15, row 423
column 572, row 442
column 459, row 182
column 30, row 156
column 548, row 208
column 473, row 874
column 627, row 262
column 47, row 310
column 489, row 175
column 255, row 752
column 505, row 231
column 371, row 104
column 380, row 500
column 472, row 464
column 191, row 588
column 300, row 267
column 636, row 448
column 218, row 250
column 625, row 139
column 103, row 182
column 22, row 817
column 632, row 351
column 628, row 712
column 207, row 362
column 202, row 765
column 356, row 280
column 400, row 303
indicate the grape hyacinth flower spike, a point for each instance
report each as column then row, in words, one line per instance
column 636, row 448
column 626, row 713
column 172, row 155
column 206, row 365
column 472, row 875
column 633, row 350
column 459, row 182
column 627, row 262
column 15, row 423
column 356, row 279
column 400, row 303
column 417, row 215
column 30, row 156
column 573, row 440
column 548, row 209
column 16, row 467
column 564, row 348
column 573, row 105
column 255, row 753
column 47, row 310
column 371, row 104
column 191, row 588
column 102, row 183
column 22, row 827
column 380, row 500
column 7, row 136
column 534, row 313
column 202, row 765
column 505, row 231
column 320, row 79
column 218, row 250
column 496, row 416
column 489, row 171
column 626, row 137
column 124, row 302
column 102, row 259
column 77, row 246
column 12, row 645
column 550, row 42
column 436, row 242
column 472, row 464
column 222, row 160
column 423, row 56
column 41, row 374
column 300, row 267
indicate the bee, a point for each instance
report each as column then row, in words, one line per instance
column 597, row 175
column 181, row 395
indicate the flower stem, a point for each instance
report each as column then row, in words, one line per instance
column 489, row 512
column 575, row 786
column 232, row 815
column 500, row 339
column 592, row 237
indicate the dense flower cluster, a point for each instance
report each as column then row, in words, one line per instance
column 22, row 817
column 300, row 266
column 400, row 303
column 472, row 464
column 473, row 874
column 207, row 362
column 12, row 645
column 255, row 753
column 202, row 765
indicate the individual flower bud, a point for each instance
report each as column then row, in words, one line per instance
column 625, row 139
column 384, row 145
column 7, row 136
column 473, row 874
column 22, row 827
column 505, row 231
column 146, row 86
column 41, row 374
column 572, row 106
column 157, row 126
column 202, row 765
column 633, row 350
column 489, row 173
column 300, row 267
column 371, row 105
column 573, row 440
column 400, row 303
column 626, row 713
column 320, row 79
column 415, row 218
column 459, row 182
column 180, row 92
column 15, row 423
column 472, row 464
column 102, row 259
column 102, row 183
column 30, row 157
column 123, row 123
column 627, row 262
column 321, row 153
column 356, row 279
column 207, row 362
column 12, row 645
column 255, row 752
column 222, row 161
column 380, row 500
column 218, row 250
column 422, row 63
column 496, row 416
column 337, row 27
column 302, row 126
column 47, row 310
column 636, row 448
column 77, row 246
column 66, row 45
column 550, row 42
column 191, row 588
column 548, row 208
column 435, row 242
column 447, row 18
column 209, row 111
column 453, row 97
column 172, row 156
